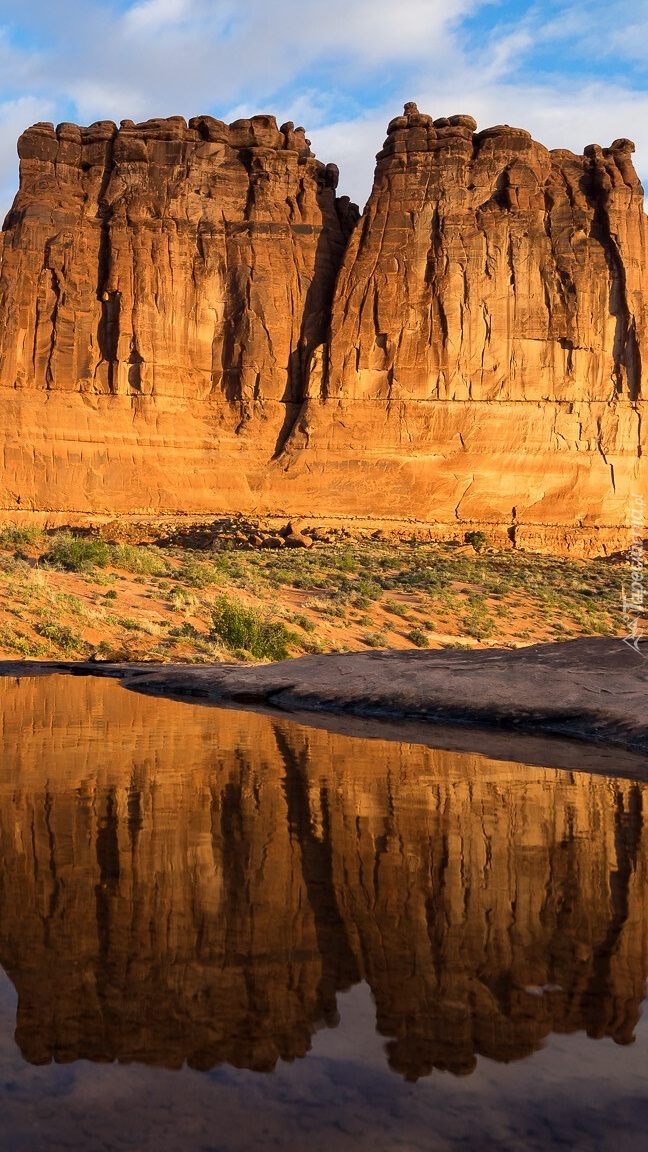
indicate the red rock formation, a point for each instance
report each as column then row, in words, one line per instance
column 161, row 260
column 489, row 332
column 170, row 343
column 162, row 287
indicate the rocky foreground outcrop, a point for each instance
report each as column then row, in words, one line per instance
column 500, row 701
column 193, row 321
column 594, row 689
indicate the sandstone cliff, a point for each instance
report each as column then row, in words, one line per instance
column 489, row 330
column 192, row 321
column 162, row 286
column 189, row 884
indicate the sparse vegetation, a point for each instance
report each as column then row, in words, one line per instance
column 61, row 636
column 244, row 629
column 478, row 539
column 77, row 553
column 14, row 536
column 189, row 595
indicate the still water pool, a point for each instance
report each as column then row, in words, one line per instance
column 223, row 931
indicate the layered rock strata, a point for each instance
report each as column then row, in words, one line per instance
column 193, row 321
column 189, row 885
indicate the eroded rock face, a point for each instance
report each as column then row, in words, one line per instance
column 164, row 260
column 490, row 327
column 171, row 340
column 488, row 268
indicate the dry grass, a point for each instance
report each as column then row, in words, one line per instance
column 161, row 597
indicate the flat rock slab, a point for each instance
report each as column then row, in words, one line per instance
column 594, row 689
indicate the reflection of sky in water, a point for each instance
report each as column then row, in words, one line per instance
column 575, row 1093
column 180, row 880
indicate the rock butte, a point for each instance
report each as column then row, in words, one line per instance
column 194, row 322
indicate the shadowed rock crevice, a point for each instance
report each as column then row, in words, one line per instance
column 340, row 968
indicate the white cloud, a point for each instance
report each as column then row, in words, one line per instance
column 342, row 69
column 152, row 14
column 352, row 145
column 14, row 116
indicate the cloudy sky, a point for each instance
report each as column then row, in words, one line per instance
column 574, row 73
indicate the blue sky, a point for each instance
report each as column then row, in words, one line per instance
column 574, row 73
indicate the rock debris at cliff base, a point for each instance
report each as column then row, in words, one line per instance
column 194, row 321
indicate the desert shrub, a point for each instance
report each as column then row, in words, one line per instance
column 375, row 639
column 337, row 611
column 13, row 536
column 77, row 553
column 242, row 628
column 60, row 635
column 316, row 646
column 418, row 637
column 344, row 562
column 368, row 589
column 184, row 600
column 15, row 640
column 184, row 631
column 478, row 539
column 396, row 608
column 479, row 624
column 200, row 574
column 13, row 566
column 302, row 621
column 143, row 560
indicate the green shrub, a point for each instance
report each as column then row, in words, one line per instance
column 77, row 553
column 20, row 642
column 396, row 608
column 368, row 589
column 200, row 574
column 140, row 559
column 242, row 628
column 316, row 646
column 479, row 540
column 360, row 602
column 345, row 562
column 12, row 536
column 418, row 637
column 184, row 631
column 479, row 624
column 375, row 639
column 303, row 621
column 60, row 635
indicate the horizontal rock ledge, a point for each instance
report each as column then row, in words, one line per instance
column 593, row 690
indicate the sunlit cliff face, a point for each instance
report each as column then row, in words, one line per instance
column 189, row 884
column 192, row 320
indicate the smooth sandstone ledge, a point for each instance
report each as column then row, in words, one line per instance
column 507, row 704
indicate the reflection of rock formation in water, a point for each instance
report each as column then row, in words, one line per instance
column 181, row 883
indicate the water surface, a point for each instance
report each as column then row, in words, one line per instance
column 221, row 930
